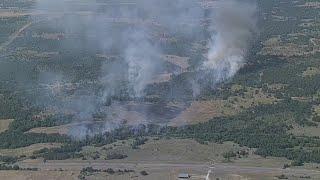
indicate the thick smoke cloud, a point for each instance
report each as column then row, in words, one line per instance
column 234, row 25
column 231, row 23
column 143, row 59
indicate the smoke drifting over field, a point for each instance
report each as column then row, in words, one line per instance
column 231, row 24
column 143, row 59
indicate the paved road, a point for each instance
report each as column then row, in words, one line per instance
column 220, row 168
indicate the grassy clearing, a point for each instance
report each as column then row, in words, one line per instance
column 28, row 151
column 182, row 62
column 153, row 174
column 258, row 161
column 10, row 13
column 306, row 131
column 29, row 54
column 167, row 150
column 285, row 50
column 311, row 4
column 4, row 124
column 202, row 111
column 316, row 110
column 300, row 43
column 63, row 129
column 181, row 151
column 171, row 175
column 39, row 175
column 311, row 71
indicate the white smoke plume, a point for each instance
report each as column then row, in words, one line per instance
column 234, row 25
column 143, row 59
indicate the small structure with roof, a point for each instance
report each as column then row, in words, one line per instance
column 184, row 176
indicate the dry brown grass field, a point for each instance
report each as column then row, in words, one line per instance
column 164, row 159
column 4, row 124
column 39, row 175
column 202, row 111
column 28, row 150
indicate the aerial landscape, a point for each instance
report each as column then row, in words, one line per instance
column 159, row 89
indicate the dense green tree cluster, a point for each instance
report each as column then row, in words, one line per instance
column 138, row 141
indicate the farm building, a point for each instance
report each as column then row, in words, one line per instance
column 184, row 176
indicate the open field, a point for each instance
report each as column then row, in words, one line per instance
column 166, row 150
column 4, row 13
column 314, row 4
column 182, row 62
column 4, row 124
column 202, row 111
column 311, row 71
column 63, row 129
column 182, row 151
column 170, row 171
column 39, row 175
column 306, row 131
column 163, row 159
column 27, row 151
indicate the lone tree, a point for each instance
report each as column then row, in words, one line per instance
column 144, row 173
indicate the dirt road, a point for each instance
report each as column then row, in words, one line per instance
column 12, row 37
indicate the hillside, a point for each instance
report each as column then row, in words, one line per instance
column 66, row 92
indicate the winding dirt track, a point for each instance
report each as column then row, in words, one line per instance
column 14, row 36
column 218, row 168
